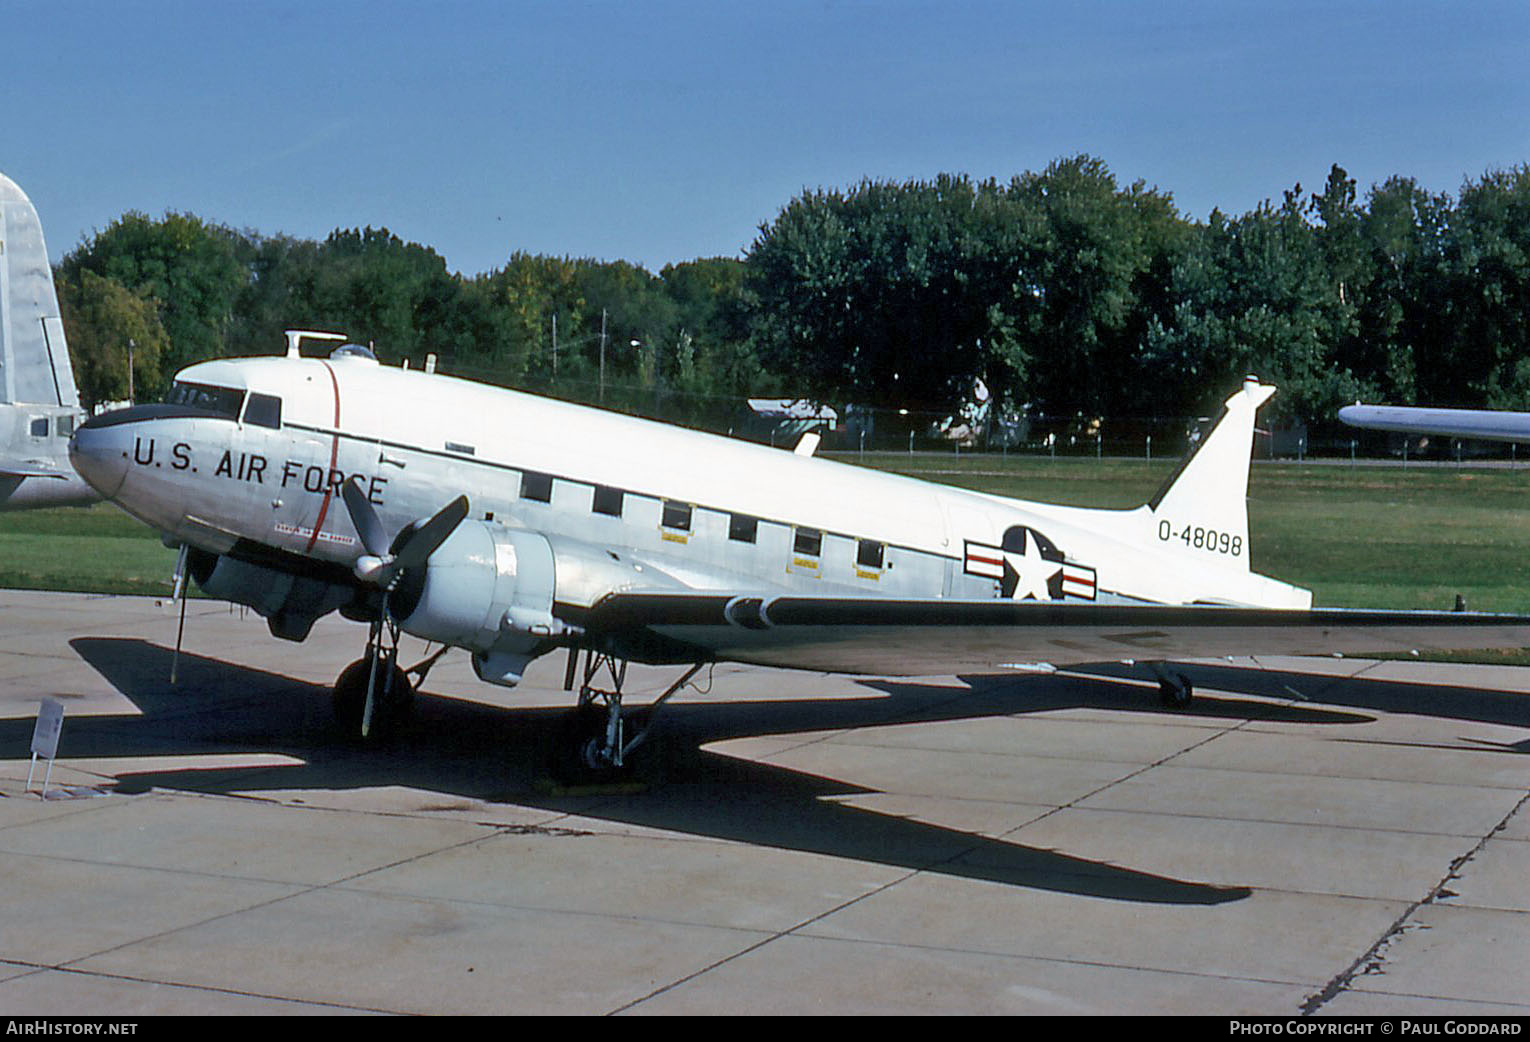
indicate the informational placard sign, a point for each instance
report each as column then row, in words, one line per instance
column 50, row 723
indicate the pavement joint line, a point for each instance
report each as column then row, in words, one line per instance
column 39, row 968
column 1141, row 770
column 1373, row 960
column 492, row 830
column 913, row 873
column 300, row 890
column 802, row 926
column 788, row 932
column 1054, row 959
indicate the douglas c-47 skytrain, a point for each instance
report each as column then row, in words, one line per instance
column 511, row 525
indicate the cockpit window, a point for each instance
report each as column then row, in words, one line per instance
column 264, row 410
column 225, row 401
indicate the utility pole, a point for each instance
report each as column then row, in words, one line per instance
column 555, row 345
column 131, row 345
column 602, row 355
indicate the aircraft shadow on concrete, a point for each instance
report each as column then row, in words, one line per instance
column 490, row 752
column 1444, row 701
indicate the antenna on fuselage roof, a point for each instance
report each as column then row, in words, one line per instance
column 295, row 338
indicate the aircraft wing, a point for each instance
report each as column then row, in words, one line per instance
column 926, row 637
column 1482, row 424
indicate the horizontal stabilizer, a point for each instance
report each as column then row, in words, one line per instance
column 29, row 469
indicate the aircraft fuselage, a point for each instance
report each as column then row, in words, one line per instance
column 249, row 456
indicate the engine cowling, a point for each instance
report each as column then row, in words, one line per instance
column 490, row 589
column 289, row 603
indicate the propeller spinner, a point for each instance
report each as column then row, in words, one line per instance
column 381, row 564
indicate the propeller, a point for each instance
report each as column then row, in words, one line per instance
column 384, row 565
column 381, row 564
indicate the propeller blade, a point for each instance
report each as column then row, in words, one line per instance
column 368, row 525
column 426, row 539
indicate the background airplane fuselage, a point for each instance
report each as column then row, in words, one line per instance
column 36, row 438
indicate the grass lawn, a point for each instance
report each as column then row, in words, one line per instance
column 1359, row 536
column 95, row 549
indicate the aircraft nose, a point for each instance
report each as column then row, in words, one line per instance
column 99, row 453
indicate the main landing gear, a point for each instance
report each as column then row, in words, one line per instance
column 374, row 696
column 598, row 738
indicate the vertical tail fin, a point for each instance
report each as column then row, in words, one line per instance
column 1206, row 498
column 39, row 404
column 34, row 359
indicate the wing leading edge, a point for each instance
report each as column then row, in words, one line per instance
column 925, row 637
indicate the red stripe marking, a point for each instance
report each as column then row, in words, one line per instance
column 334, row 454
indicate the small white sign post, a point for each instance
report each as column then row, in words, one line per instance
column 50, row 721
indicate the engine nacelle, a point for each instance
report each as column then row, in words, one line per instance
column 482, row 576
column 490, row 589
column 289, row 603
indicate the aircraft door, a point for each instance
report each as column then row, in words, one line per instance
column 977, row 559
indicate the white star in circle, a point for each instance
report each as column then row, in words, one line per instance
column 1031, row 570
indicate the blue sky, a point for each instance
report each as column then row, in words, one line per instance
column 663, row 131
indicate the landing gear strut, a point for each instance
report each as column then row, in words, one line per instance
column 599, row 738
column 373, row 696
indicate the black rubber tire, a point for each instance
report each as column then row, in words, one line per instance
column 389, row 714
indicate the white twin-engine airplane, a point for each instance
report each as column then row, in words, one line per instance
column 511, row 525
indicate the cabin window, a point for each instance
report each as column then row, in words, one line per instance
column 808, row 542
column 742, row 528
column 536, row 486
column 458, row 447
column 39, row 427
column 64, row 427
column 225, row 401
column 869, row 554
column 677, row 515
column 264, row 410
column 607, row 501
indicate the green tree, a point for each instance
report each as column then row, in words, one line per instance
column 1487, row 275
column 896, row 295
column 1101, row 274
column 105, row 322
column 186, row 265
column 369, row 283
column 1255, row 295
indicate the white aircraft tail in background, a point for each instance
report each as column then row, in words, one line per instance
column 39, row 405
